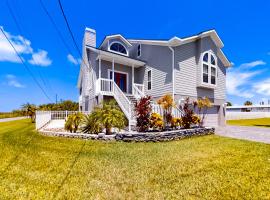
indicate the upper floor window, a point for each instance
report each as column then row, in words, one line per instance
column 139, row 50
column 117, row 47
column 209, row 68
column 149, row 79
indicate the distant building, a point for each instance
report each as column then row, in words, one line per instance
column 251, row 108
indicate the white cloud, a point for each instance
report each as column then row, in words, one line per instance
column 73, row 60
column 22, row 45
column 40, row 58
column 252, row 64
column 13, row 82
column 263, row 87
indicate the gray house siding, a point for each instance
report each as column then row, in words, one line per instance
column 188, row 70
column 159, row 60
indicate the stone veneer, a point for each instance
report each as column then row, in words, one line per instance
column 138, row 137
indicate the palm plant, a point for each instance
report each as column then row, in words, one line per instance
column 73, row 122
column 30, row 111
column 110, row 115
column 91, row 123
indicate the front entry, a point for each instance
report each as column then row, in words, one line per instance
column 120, row 79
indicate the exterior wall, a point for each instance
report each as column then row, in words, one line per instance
column 159, row 60
column 105, row 66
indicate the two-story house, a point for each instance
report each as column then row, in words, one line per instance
column 127, row 69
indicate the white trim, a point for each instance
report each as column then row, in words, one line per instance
column 132, row 82
column 173, row 86
column 116, row 36
column 120, row 72
column 209, row 64
column 128, row 60
column 151, row 79
column 117, row 42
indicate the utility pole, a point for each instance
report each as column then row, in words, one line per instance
column 56, row 98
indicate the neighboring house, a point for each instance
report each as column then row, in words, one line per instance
column 251, row 108
column 184, row 67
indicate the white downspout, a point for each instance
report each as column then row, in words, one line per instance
column 173, row 88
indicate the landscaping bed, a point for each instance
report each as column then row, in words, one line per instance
column 135, row 136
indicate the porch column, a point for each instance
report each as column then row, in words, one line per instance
column 113, row 69
column 113, row 73
column 132, row 79
column 99, row 67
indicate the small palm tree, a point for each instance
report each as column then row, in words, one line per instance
column 110, row 115
column 73, row 122
column 91, row 123
column 30, row 110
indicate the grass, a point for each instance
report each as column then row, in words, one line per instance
column 33, row 166
column 262, row 122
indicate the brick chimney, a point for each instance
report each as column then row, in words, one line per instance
column 90, row 37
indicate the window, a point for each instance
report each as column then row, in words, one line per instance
column 117, row 47
column 209, row 68
column 139, row 50
column 149, row 79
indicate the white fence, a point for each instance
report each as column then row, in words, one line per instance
column 246, row 115
column 44, row 117
column 158, row 109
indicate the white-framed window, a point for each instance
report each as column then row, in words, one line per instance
column 139, row 50
column 209, row 68
column 149, row 79
column 118, row 48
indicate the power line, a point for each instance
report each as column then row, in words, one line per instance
column 55, row 26
column 25, row 65
column 21, row 32
column 69, row 29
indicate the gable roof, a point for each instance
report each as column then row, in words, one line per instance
column 119, row 36
column 176, row 41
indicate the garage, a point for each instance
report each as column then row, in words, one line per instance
column 212, row 117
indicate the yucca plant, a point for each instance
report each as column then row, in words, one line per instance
column 73, row 122
column 91, row 123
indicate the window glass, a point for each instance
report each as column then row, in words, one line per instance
column 118, row 48
column 213, row 75
column 139, row 50
column 213, row 61
column 205, row 73
column 205, row 57
column 149, row 80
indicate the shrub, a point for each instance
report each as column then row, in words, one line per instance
column 203, row 104
column 73, row 122
column 107, row 115
column 156, row 121
column 143, row 109
column 91, row 124
column 176, row 122
column 167, row 103
column 196, row 120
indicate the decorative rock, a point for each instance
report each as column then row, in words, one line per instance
column 137, row 137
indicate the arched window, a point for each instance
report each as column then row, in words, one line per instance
column 209, row 68
column 118, row 47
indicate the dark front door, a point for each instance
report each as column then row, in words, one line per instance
column 120, row 79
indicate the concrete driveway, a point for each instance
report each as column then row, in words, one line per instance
column 251, row 133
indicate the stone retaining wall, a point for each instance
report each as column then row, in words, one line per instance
column 137, row 137
column 163, row 136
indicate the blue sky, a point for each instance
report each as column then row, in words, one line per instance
column 242, row 25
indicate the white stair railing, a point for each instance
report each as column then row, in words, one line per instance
column 138, row 90
column 122, row 100
column 176, row 112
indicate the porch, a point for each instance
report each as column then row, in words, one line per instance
column 118, row 72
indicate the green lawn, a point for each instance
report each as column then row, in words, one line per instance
column 261, row 122
column 209, row 167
